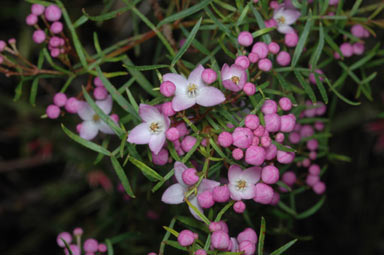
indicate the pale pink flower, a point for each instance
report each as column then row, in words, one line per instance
column 152, row 130
column 175, row 193
column 285, row 17
column 242, row 182
column 234, row 77
column 193, row 90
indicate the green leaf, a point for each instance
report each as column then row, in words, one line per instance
column 319, row 49
column 337, row 93
column 172, row 231
column 197, row 211
column 116, row 95
column 260, row 246
column 108, row 15
column 109, row 246
column 307, row 87
column 302, row 40
column 86, row 143
column 18, row 90
column 80, row 21
column 311, row 210
column 175, row 244
column 284, row 247
column 372, row 53
column 261, row 24
column 166, row 237
column 76, row 42
column 122, row 176
column 321, row 88
column 281, row 147
column 355, row 7
column 185, row 13
column 191, row 222
column 145, row 68
column 147, row 171
column 35, row 83
column 187, row 43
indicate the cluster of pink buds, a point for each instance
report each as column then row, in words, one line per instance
column 50, row 17
column 348, row 49
column 90, row 246
column 256, row 139
column 71, row 105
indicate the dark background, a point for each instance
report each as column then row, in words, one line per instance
column 44, row 189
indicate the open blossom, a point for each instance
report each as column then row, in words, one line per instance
column 242, row 182
column 152, row 130
column 234, row 77
column 285, row 17
column 92, row 123
column 175, row 193
column 193, row 90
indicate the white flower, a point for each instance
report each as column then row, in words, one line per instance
column 284, row 18
column 242, row 182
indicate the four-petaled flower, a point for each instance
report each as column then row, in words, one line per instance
column 233, row 77
column 152, row 130
column 285, row 17
column 175, row 193
column 92, row 123
column 193, row 91
column 242, row 182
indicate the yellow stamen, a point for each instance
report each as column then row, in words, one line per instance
column 96, row 118
column 241, row 184
column 235, row 79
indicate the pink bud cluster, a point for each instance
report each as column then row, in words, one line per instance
column 90, row 246
column 349, row 49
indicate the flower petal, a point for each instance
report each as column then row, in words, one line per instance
column 179, row 169
column 88, row 130
column 196, row 204
column 156, row 142
column 252, row 174
column 180, row 82
column 85, row 111
column 149, row 113
column 195, row 76
column 235, row 194
column 234, row 172
column 105, row 105
column 285, row 29
column 182, row 101
column 103, row 127
column 174, row 194
column 249, row 192
column 210, row 96
column 230, row 85
column 140, row 134
column 207, row 184
column 291, row 15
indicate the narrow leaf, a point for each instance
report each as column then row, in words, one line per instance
column 122, row 176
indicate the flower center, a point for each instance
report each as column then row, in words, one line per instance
column 241, row 185
column 155, row 127
column 96, row 118
column 281, row 20
column 192, row 90
column 235, row 80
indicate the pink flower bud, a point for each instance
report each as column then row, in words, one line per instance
column 90, row 245
column 100, row 93
column 52, row 13
column 252, row 121
column 2, row 45
column 31, row 20
column 242, row 61
column 38, row 36
column 275, row 198
column 189, row 176
column 291, row 39
column 37, row 9
column 188, row 142
column 167, row 88
column 358, row 30
column 287, row 123
column 182, row 129
column 237, row 154
column 160, row 158
column 56, row 27
column 102, row 248
column 245, row 38
column 270, row 23
column 200, row 252
column 321, row 108
column 247, row 247
column 346, row 49
column 259, row 131
column 55, row 52
column 274, row 4
column 261, row 49
column 285, row 157
column 225, row 139
column 306, row 162
column 314, row 169
column 265, row 65
column 242, row 137
column 72, row 105
column 255, row 155
column 239, row 206
column 263, row 193
column 273, row 47
column 247, row 234
column 205, row 199
column 217, row 226
column 221, row 194
column 319, row 126
column 60, row 99
column 270, row 174
column 186, row 238
column 74, row 250
column 312, row 78
column 279, row 137
column 53, row 111
column 312, row 144
column 97, row 81
column 306, row 131
column 333, row 2
column 270, row 152
column 272, row 122
column 336, row 55
column 249, row 89
column 313, row 155
column 269, row 107
column 319, row 188
column 78, row 231
column 67, row 237
column 285, row 104
column 220, row 240
column 358, row 48
column 209, row 76
column 311, row 180
column 167, row 109
column 253, row 57
column 265, row 141
column 289, row 178
column 283, row 58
